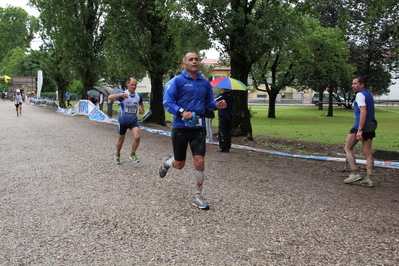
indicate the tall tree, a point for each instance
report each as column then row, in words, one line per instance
column 75, row 29
column 275, row 68
column 374, row 36
column 17, row 29
column 12, row 62
column 234, row 24
column 57, row 65
column 150, row 35
column 322, row 62
column 32, row 63
column 372, row 30
column 241, row 28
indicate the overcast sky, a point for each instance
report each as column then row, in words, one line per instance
column 20, row 3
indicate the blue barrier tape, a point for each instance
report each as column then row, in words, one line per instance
column 85, row 107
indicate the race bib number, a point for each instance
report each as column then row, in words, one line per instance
column 131, row 109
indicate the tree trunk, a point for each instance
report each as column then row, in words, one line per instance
column 330, row 103
column 62, row 89
column 156, row 98
column 242, row 117
column 272, row 104
column 321, row 92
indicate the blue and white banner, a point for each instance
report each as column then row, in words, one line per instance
column 86, row 107
column 394, row 165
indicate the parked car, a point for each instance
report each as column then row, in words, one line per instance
column 315, row 99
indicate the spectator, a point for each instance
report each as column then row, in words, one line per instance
column 225, row 121
column 69, row 98
column 363, row 130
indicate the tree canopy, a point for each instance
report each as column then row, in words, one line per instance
column 150, row 36
column 72, row 31
column 17, row 29
column 241, row 28
column 274, row 40
column 371, row 27
column 322, row 61
column 275, row 68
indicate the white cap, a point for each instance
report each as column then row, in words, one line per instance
column 17, row 90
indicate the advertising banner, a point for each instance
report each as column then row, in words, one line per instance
column 86, row 107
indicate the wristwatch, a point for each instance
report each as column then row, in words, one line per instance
column 181, row 110
column 360, row 129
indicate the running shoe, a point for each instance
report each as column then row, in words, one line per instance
column 200, row 203
column 367, row 182
column 352, row 178
column 163, row 169
column 134, row 158
column 117, row 159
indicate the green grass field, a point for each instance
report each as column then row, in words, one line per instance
column 309, row 124
column 306, row 123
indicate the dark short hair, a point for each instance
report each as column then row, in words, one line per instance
column 362, row 80
column 184, row 57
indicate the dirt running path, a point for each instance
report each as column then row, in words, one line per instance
column 64, row 202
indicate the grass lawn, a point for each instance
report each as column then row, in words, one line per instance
column 306, row 123
column 309, row 124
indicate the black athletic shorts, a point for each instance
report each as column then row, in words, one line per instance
column 181, row 137
column 365, row 135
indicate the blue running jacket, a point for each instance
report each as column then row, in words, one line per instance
column 193, row 95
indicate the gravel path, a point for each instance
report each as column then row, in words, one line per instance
column 64, row 202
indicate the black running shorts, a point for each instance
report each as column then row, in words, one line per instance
column 181, row 137
column 365, row 135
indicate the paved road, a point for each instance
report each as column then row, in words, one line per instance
column 64, row 202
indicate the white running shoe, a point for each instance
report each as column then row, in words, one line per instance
column 352, row 178
column 200, row 203
column 163, row 169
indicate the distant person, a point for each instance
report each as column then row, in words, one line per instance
column 209, row 116
column 68, row 97
column 93, row 100
column 363, row 130
column 225, row 121
column 129, row 103
column 18, row 99
column 100, row 101
column 187, row 96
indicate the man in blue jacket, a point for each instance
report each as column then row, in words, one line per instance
column 186, row 97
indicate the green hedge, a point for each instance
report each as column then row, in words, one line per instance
column 52, row 95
